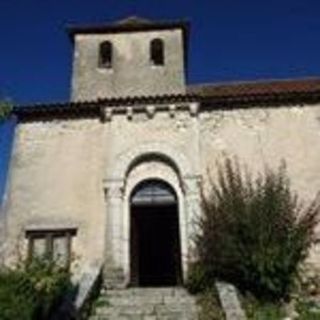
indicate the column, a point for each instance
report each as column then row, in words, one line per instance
column 113, row 270
column 192, row 214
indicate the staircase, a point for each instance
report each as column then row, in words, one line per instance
column 145, row 304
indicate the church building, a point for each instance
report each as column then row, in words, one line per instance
column 113, row 176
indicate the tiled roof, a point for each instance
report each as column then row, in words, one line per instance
column 133, row 21
column 270, row 88
column 212, row 96
column 129, row 24
column 93, row 108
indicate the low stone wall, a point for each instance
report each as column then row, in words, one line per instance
column 229, row 300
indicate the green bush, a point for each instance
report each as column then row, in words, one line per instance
column 253, row 233
column 32, row 291
column 5, row 110
column 15, row 303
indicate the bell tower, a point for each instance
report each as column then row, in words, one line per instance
column 132, row 57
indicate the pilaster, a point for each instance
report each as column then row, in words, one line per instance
column 113, row 270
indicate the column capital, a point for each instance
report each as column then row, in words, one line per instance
column 114, row 188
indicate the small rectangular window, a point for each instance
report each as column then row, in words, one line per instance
column 39, row 247
column 51, row 244
column 157, row 52
column 105, row 55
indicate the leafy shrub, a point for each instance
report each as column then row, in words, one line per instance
column 198, row 279
column 253, row 233
column 32, row 291
column 15, row 303
column 5, row 110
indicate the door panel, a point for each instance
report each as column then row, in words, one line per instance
column 155, row 246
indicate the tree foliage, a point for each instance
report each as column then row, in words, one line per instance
column 253, row 233
column 5, row 110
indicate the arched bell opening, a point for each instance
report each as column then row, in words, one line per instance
column 155, row 250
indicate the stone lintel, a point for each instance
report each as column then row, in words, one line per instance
column 50, row 227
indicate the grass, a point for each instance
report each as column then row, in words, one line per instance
column 308, row 310
column 101, row 303
column 209, row 306
column 256, row 310
column 265, row 312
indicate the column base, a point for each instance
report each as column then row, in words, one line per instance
column 114, row 278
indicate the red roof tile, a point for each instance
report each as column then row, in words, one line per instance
column 212, row 96
column 273, row 87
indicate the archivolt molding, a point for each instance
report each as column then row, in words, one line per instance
column 152, row 170
column 149, row 161
column 154, row 151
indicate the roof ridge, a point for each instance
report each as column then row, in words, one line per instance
column 257, row 81
column 303, row 85
column 132, row 20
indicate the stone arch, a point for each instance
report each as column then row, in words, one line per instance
column 147, row 161
column 151, row 169
column 145, row 189
column 144, row 168
column 128, row 160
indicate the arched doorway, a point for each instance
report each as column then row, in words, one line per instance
column 155, row 254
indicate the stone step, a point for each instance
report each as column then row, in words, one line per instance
column 146, row 309
column 168, row 291
column 171, row 316
column 146, row 304
column 163, row 316
column 151, row 299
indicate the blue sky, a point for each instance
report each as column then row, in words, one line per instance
column 231, row 40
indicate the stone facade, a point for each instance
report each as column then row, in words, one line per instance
column 132, row 73
column 79, row 172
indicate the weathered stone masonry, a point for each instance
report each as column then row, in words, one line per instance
column 75, row 165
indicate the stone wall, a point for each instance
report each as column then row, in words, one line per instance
column 56, row 183
column 262, row 137
column 152, row 144
column 79, row 173
column 132, row 73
